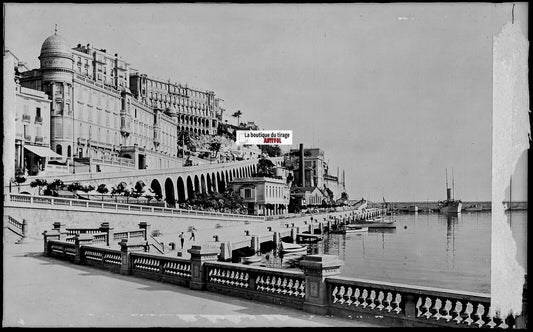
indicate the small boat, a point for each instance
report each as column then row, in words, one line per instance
column 412, row 208
column 355, row 229
column 292, row 248
column 250, row 259
column 378, row 222
column 349, row 229
column 473, row 208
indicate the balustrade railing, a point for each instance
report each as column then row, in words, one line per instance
column 15, row 223
column 169, row 269
column 423, row 305
column 270, row 285
column 61, row 249
column 119, row 206
column 102, row 257
column 310, row 290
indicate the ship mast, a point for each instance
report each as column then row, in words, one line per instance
column 446, row 178
column 453, row 187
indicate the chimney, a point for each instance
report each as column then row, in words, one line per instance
column 302, row 166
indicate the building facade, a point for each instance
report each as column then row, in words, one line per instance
column 101, row 109
column 26, row 124
column 263, row 195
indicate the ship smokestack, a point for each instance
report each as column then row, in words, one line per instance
column 302, row 166
column 449, row 193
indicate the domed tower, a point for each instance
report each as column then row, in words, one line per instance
column 57, row 79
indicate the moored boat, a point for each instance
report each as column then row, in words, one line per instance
column 251, row 259
column 450, row 205
column 349, row 229
column 292, row 248
column 378, row 222
column 473, row 208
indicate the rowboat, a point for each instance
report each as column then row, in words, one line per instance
column 250, row 259
column 378, row 222
column 355, row 229
column 349, row 229
column 292, row 248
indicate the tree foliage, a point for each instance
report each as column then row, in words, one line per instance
column 271, row 150
column 265, row 167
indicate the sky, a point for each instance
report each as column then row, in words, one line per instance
column 395, row 94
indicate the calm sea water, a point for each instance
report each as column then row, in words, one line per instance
column 437, row 250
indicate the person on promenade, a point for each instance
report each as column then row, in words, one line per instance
column 182, row 239
column 192, row 234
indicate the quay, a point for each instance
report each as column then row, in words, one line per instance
column 201, row 270
column 41, row 291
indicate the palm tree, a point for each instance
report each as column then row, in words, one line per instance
column 238, row 116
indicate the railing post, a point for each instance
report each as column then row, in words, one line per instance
column 125, row 266
column 277, row 239
column 199, row 255
column 225, row 251
column 105, row 228
column 316, row 268
column 255, row 243
column 60, row 228
column 410, row 305
column 146, row 226
column 81, row 239
column 24, row 228
column 49, row 235
column 294, row 233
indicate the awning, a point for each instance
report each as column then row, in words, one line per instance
column 42, row 151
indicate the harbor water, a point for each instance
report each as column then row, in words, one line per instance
column 425, row 249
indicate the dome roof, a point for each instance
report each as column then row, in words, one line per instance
column 54, row 44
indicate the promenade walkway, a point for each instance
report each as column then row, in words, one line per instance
column 41, row 291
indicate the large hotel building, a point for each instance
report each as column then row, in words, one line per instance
column 103, row 110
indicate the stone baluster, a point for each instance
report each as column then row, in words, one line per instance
column 316, row 268
column 80, row 240
column 199, row 255
column 47, row 236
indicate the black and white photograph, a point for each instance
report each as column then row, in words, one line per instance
column 268, row 165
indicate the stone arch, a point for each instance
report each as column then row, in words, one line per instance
column 156, row 187
column 190, row 188
column 202, row 183
column 170, row 196
column 219, row 182
column 139, row 185
column 182, row 197
column 209, row 183
column 196, row 184
column 214, row 182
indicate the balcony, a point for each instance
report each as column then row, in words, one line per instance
column 39, row 139
column 26, row 118
column 38, row 120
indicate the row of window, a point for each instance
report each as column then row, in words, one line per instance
column 274, row 191
column 178, row 90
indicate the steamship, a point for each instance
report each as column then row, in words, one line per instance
column 450, row 205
